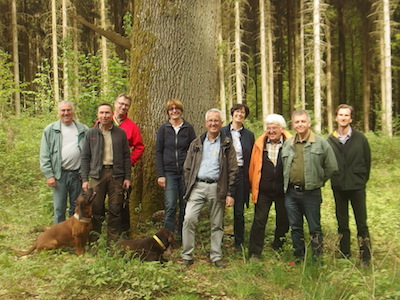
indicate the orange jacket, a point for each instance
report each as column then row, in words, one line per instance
column 256, row 163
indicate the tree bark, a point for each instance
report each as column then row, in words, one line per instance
column 173, row 55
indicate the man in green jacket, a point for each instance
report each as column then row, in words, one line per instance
column 308, row 162
column 210, row 173
column 60, row 159
column 353, row 154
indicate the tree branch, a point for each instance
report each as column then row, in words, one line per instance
column 111, row 35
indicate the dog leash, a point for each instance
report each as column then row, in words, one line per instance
column 159, row 242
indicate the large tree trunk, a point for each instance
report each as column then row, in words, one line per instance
column 14, row 29
column 173, row 55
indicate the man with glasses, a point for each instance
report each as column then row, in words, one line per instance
column 120, row 118
column 210, row 172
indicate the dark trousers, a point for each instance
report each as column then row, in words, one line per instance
column 261, row 212
column 357, row 199
column 107, row 185
column 308, row 204
column 238, row 210
column 125, row 217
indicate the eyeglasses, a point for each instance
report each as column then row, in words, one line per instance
column 123, row 104
column 214, row 121
column 173, row 108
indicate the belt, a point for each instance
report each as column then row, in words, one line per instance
column 297, row 188
column 107, row 166
column 209, row 181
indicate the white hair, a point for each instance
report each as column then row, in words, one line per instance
column 216, row 110
column 275, row 119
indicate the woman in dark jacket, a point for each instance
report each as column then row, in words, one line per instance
column 173, row 140
column 243, row 140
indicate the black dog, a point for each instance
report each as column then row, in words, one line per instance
column 150, row 249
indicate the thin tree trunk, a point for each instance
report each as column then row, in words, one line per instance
column 366, row 58
column 291, row 52
column 387, row 69
column 104, row 51
column 270, row 57
column 329, row 102
column 238, row 55
column 342, row 54
column 65, row 40
column 263, row 59
column 317, row 65
column 55, row 51
column 302, row 57
column 221, row 68
column 17, row 96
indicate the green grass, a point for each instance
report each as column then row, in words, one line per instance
column 25, row 207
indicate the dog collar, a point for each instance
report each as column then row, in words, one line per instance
column 83, row 220
column 159, row 242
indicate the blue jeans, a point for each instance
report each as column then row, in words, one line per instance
column 173, row 194
column 69, row 184
column 308, row 204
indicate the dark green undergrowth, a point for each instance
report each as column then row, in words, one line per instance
column 26, row 207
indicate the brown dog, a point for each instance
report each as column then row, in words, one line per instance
column 73, row 231
column 150, row 249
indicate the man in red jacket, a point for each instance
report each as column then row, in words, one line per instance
column 120, row 117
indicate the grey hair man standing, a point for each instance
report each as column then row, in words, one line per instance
column 60, row 159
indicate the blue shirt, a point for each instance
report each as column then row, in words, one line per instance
column 209, row 166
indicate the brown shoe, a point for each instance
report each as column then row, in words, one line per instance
column 219, row 264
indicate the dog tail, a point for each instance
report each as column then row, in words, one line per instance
column 25, row 252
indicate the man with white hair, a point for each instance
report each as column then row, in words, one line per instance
column 266, row 180
column 210, row 173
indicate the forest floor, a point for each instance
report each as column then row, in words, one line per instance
column 26, row 207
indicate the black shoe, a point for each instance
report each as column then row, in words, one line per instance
column 219, row 264
column 365, row 263
column 187, row 262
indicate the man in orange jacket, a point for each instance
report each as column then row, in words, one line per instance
column 266, row 180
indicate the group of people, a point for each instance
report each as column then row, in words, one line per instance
column 221, row 167
column 70, row 153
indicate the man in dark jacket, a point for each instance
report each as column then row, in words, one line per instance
column 353, row 155
column 210, row 172
column 106, row 159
